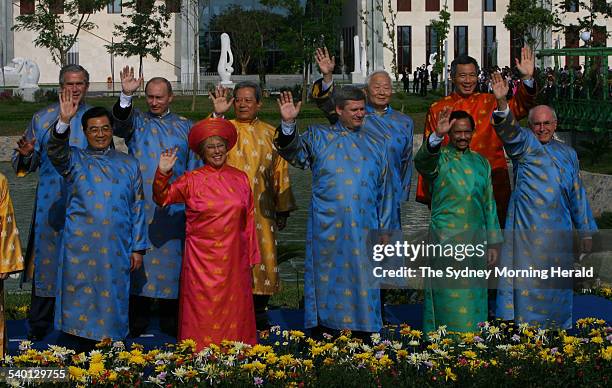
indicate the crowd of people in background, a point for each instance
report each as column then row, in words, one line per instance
column 188, row 218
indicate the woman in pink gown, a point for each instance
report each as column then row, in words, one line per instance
column 215, row 301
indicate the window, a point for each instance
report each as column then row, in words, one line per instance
column 144, row 6
column 461, row 6
column 404, row 6
column 432, row 5
column 431, row 42
column 404, row 48
column 489, row 5
column 572, row 5
column 461, row 40
column 26, row 7
column 489, row 44
column 72, row 57
column 56, row 6
column 173, row 6
column 599, row 36
column 114, row 6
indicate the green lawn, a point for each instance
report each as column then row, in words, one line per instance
column 15, row 115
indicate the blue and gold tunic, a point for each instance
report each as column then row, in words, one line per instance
column 49, row 208
column 351, row 195
column 105, row 223
column 147, row 136
column 547, row 203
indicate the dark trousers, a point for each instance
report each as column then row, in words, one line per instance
column 140, row 315
column 78, row 344
column 260, row 302
column 42, row 309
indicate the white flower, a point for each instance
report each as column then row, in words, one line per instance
column 397, row 345
column 494, row 332
column 541, row 336
column 441, row 331
column 375, row 337
column 180, row 372
column 366, row 348
column 413, row 343
column 503, row 347
column 25, row 345
column 523, row 327
column 480, row 345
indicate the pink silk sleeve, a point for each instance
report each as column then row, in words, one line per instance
column 251, row 232
column 165, row 193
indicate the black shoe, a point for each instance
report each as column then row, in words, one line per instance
column 36, row 336
column 262, row 323
column 135, row 333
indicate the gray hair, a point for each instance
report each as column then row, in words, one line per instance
column 377, row 72
column 347, row 93
column 249, row 84
column 72, row 68
column 530, row 115
column 162, row 80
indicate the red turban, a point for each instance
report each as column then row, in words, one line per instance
column 206, row 128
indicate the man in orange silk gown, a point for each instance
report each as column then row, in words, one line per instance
column 215, row 300
column 464, row 74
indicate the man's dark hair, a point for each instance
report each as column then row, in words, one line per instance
column 249, row 84
column 160, row 79
column 72, row 69
column 347, row 93
column 463, row 60
column 461, row 114
column 96, row 111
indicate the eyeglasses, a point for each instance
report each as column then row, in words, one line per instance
column 213, row 147
column 103, row 129
column 543, row 124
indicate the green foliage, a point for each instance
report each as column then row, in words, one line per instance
column 306, row 27
column 597, row 10
column 389, row 22
column 604, row 221
column 527, row 18
column 249, row 31
column 595, row 148
column 50, row 27
column 441, row 26
column 144, row 31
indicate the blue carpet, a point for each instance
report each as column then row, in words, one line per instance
column 584, row 306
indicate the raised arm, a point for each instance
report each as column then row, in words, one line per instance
column 123, row 114
column 292, row 147
column 524, row 100
column 323, row 88
column 58, row 148
column 26, row 157
column 426, row 159
column 165, row 193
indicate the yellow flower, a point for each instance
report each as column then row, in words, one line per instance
column 328, row 361
column 96, row 368
column 307, row 364
column 279, row 374
column 385, row 361
column 76, row 373
column 568, row 349
column 449, row 374
column 96, row 358
column 402, row 353
column 468, row 338
column 271, row 358
column 416, row 333
column 112, row 376
column 187, row 344
column 293, row 334
column 597, row 340
column 469, row 354
column 286, row 359
column 606, row 353
column 124, row 355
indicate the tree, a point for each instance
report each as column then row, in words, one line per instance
column 248, row 30
column 190, row 11
column 597, row 10
column 441, row 26
column 144, row 32
column 50, row 25
column 530, row 19
column 389, row 22
column 306, row 27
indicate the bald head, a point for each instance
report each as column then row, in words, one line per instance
column 379, row 90
column 543, row 122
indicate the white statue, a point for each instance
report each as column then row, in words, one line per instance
column 364, row 61
column 360, row 72
column 23, row 73
column 226, row 60
column 431, row 62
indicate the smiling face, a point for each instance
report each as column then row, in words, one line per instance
column 543, row 123
column 158, row 98
column 379, row 91
column 465, row 79
column 246, row 105
column 99, row 133
column 75, row 84
column 351, row 116
column 214, row 151
column 461, row 134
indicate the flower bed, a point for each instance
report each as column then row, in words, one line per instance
column 499, row 355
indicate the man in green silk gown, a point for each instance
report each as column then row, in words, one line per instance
column 463, row 213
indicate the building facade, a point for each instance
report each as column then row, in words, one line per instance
column 476, row 28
